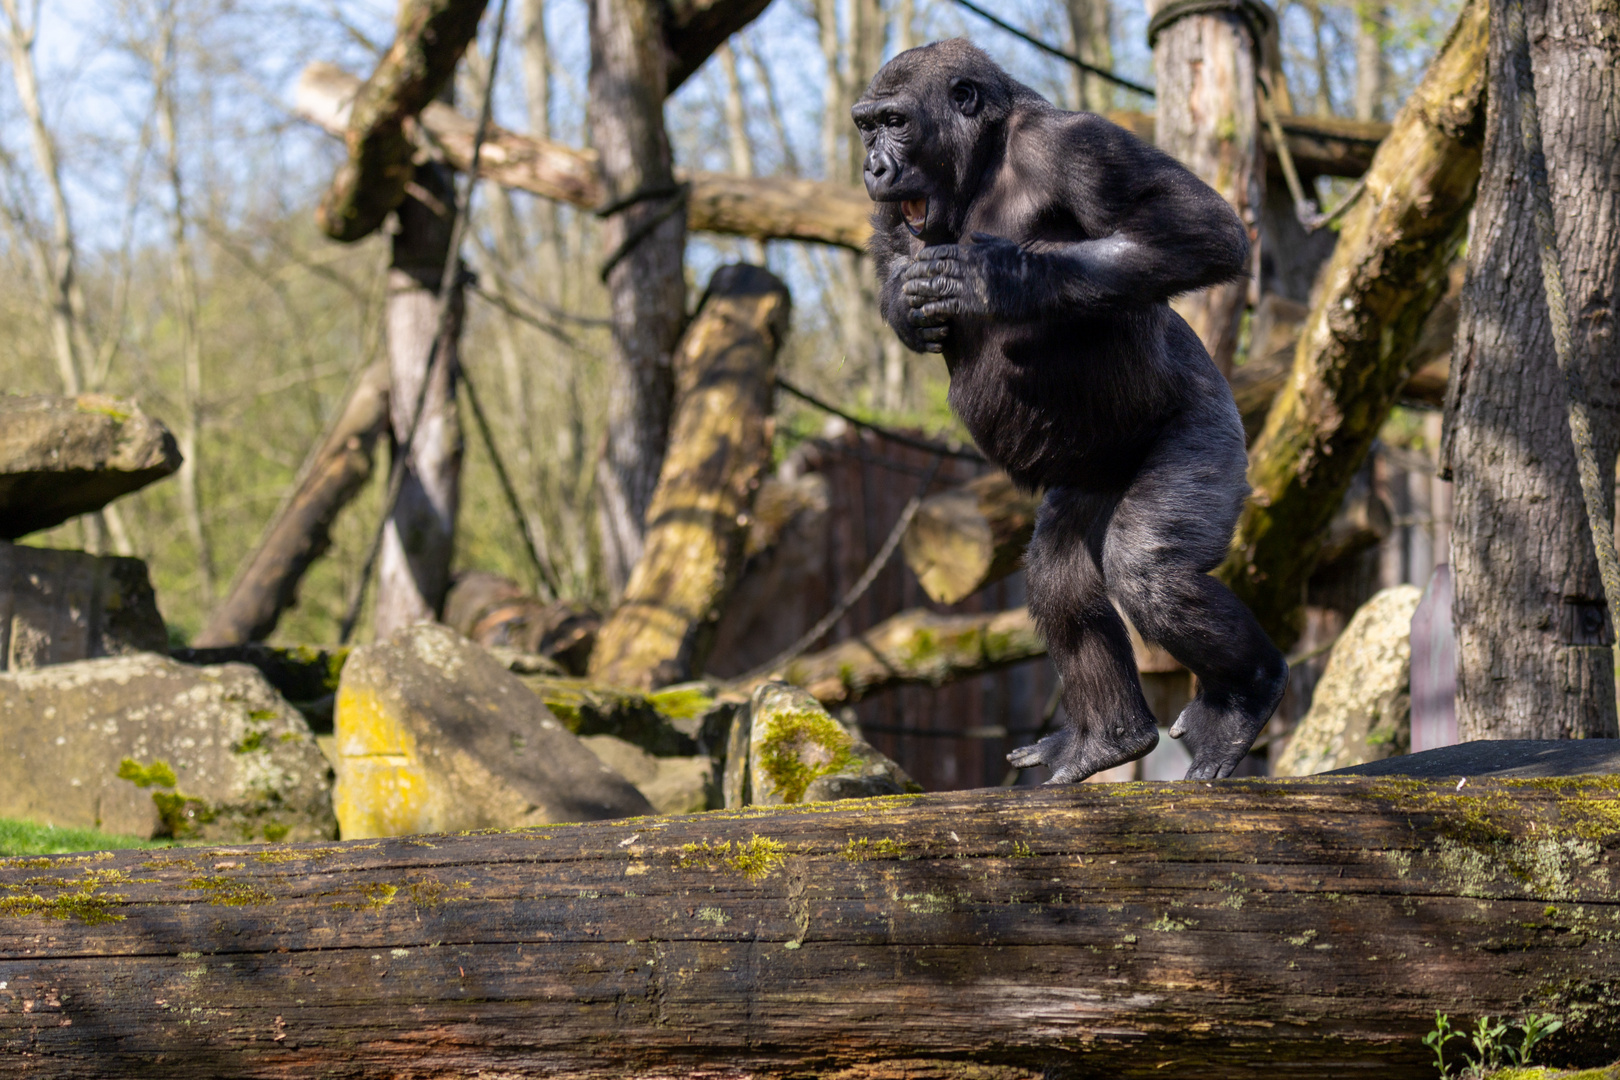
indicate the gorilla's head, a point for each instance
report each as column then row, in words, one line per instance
column 924, row 121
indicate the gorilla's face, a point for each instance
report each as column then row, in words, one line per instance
column 920, row 123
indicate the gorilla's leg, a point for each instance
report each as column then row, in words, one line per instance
column 1108, row 720
column 1172, row 527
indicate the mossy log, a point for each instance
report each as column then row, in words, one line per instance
column 429, row 38
column 268, row 582
column 697, row 523
column 915, row 647
column 1389, row 269
column 765, row 208
column 1111, row 930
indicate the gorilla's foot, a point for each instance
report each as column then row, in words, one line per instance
column 1073, row 755
column 1220, row 732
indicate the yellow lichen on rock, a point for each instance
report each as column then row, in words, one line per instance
column 382, row 788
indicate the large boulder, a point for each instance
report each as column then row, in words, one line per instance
column 61, row 606
column 435, row 735
column 1362, row 708
column 65, row 456
column 674, row 785
column 795, row 751
column 145, row 745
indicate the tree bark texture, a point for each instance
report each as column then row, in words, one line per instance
column 1208, row 120
column 1116, row 931
column 648, row 292
column 914, row 648
column 764, row 208
column 1090, row 31
column 302, row 531
column 720, row 450
column 419, row 538
column 1534, row 656
column 970, row 536
column 1387, row 272
column 429, row 38
column 696, row 28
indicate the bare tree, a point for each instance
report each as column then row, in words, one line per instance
column 1372, row 27
column 1091, row 35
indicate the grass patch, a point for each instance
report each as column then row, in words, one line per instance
column 27, row 838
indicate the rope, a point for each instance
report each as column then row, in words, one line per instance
column 1101, row 73
column 858, row 590
column 1594, row 490
column 543, row 571
column 942, row 449
column 681, row 193
column 447, row 289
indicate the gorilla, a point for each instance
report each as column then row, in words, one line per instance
column 1037, row 250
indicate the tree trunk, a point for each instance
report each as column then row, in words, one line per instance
column 1388, row 271
column 1108, row 930
column 418, row 540
column 627, row 83
column 1534, row 656
column 301, row 532
column 1208, row 119
column 697, row 525
column 1372, row 27
column 1090, row 34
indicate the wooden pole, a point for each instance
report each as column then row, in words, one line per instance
column 1100, row 930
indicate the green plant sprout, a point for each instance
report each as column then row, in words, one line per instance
column 1491, row 1044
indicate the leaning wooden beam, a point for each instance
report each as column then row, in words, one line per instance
column 915, row 647
column 429, row 39
column 765, row 208
column 1118, row 930
column 296, row 537
column 1388, row 270
column 695, row 28
column 719, row 450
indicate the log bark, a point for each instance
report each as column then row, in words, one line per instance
column 970, row 536
column 915, row 647
column 1114, row 931
column 1534, row 636
column 1387, row 272
column 764, row 208
column 302, row 531
column 1208, row 119
column 697, row 523
column 429, row 38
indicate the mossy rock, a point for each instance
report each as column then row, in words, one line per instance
column 799, row 752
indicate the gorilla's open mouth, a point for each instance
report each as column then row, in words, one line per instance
column 915, row 211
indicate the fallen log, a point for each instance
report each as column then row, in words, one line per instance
column 1119, row 930
column 1389, row 269
column 915, row 647
column 963, row 539
column 764, row 208
column 302, row 531
column 697, row 523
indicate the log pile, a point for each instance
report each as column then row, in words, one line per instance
column 1121, row 931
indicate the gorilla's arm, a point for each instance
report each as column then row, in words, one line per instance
column 1156, row 230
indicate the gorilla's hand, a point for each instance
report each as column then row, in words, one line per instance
column 991, row 278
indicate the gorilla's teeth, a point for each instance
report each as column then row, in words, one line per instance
column 915, row 212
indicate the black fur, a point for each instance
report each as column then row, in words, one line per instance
column 1050, row 246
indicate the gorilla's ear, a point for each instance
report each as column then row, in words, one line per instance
column 965, row 96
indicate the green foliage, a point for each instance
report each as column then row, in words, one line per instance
column 1492, row 1045
column 29, row 838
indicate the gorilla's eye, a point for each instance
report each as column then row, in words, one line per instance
column 894, row 120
